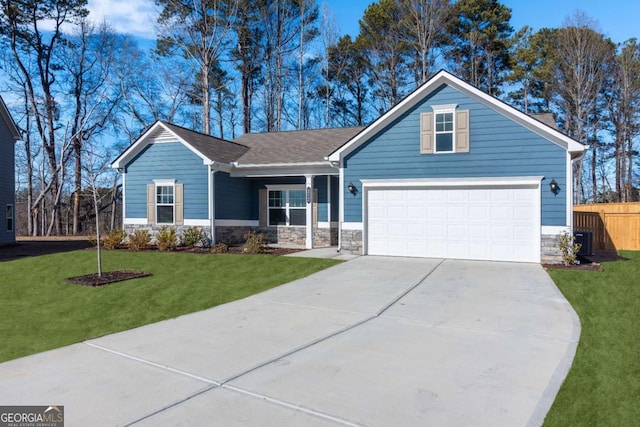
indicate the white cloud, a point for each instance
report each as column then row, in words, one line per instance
column 134, row 17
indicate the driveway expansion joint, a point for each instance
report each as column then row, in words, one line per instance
column 172, row 405
column 154, row 364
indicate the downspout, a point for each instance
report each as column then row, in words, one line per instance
column 124, row 200
column 340, row 204
column 212, row 204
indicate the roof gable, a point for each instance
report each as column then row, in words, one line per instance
column 446, row 78
column 210, row 149
column 6, row 117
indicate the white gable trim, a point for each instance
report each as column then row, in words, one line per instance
column 146, row 139
column 6, row 116
column 443, row 77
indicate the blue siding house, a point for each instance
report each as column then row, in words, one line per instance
column 9, row 134
column 280, row 184
column 449, row 172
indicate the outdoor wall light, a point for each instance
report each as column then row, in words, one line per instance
column 553, row 185
column 352, row 188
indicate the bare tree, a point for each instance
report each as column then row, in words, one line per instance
column 199, row 31
column 34, row 54
column 89, row 58
column 624, row 112
column 426, row 22
column 152, row 88
column 580, row 70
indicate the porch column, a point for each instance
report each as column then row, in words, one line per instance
column 309, row 211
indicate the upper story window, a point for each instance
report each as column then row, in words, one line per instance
column 445, row 130
column 165, row 205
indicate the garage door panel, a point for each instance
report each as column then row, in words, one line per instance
column 457, row 213
column 498, row 223
column 457, row 197
column 479, row 213
column 397, row 230
column 416, row 213
column 396, row 213
column 436, row 212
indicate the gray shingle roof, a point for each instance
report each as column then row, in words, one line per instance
column 213, row 148
column 303, row 146
column 546, row 118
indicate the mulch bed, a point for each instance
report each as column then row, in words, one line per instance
column 587, row 267
column 590, row 263
column 107, row 277
column 236, row 250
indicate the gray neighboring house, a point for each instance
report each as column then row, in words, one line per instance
column 9, row 134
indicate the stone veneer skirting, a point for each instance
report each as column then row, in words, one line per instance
column 154, row 229
column 549, row 246
column 235, row 235
column 550, row 252
column 292, row 236
column 352, row 241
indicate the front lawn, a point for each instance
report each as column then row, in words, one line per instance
column 40, row 311
column 603, row 386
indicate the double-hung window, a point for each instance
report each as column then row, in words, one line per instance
column 9, row 217
column 444, row 130
column 165, row 205
column 287, row 207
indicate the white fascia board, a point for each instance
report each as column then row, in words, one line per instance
column 205, row 159
column 283, row 169
column 521, row 118
column 144, row 140
column 451, row 182
column 135, row 148
column 11, row 124
column 443, row 77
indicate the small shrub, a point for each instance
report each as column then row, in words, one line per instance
column 569, row 248
column 192, row 236
column 220, row 248
column 113, row 238
column 167, row 239
column 139, row 240
column 91, row 237
column 254, row 243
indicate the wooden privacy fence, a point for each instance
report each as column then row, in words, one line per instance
column 614, row 226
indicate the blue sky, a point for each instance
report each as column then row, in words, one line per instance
column 617, row 19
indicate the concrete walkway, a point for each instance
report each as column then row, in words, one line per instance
column 374, row 341
column 331, row 252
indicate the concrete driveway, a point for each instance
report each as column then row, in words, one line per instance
column 374, row 341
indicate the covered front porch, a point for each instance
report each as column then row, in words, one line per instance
column 295, row 210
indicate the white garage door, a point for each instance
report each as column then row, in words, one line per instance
column 500, row 223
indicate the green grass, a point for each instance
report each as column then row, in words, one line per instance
column 40, row 311
column 603, row 386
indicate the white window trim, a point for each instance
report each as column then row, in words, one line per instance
column 165, row 183
column 442, row 109
column 13, row 218
column 286, row 188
